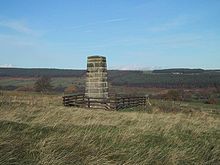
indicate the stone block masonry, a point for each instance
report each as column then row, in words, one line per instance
column 96, row 81
column 96, row 90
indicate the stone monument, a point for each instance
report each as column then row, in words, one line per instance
column 96, row 80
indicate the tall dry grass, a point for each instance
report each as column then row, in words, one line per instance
column 37, row 129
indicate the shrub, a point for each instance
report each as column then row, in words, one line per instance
column 70, row 89
column 26, row 89
column 59, row 88
column 43, row 85
column 212, row 100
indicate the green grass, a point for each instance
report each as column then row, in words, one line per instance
column 173, row 106
column 67, row 81
column 17, row 81
column 58, row 81
column 37, row 129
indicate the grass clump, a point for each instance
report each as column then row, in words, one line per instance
column 42, row 131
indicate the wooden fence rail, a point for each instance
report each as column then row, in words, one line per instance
column 116, row 102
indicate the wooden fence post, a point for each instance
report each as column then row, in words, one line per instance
column 123, row 102
column 116, row 103
column 129, row 99
column 88, row 102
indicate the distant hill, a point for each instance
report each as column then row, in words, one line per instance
column 38, row 72
column 180, row 70
column 184, row 71
column 167, row 78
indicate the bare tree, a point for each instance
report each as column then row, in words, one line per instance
column 43, row 84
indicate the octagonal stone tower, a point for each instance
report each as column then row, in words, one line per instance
column 96, row 82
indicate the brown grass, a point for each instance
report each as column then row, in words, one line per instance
column 38, row 129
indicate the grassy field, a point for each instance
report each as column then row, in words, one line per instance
column 57, row 81
column 37, row 129
column 79, row 82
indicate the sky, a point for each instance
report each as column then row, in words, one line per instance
column 132, row 34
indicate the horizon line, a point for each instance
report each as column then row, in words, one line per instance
column 14, row 67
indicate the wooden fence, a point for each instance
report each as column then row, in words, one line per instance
column 113, row 102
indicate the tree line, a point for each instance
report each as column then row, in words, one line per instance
column 168, row 78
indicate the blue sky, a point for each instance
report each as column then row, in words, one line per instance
column 132, row 34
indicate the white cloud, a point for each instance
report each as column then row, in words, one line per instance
column 108, row 21
column 18, row 26
column 171, row 24
column 127, row 67
column 115, row 20
column 134, row 67
column 6, row 66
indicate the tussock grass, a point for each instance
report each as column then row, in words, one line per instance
column 37, row 129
